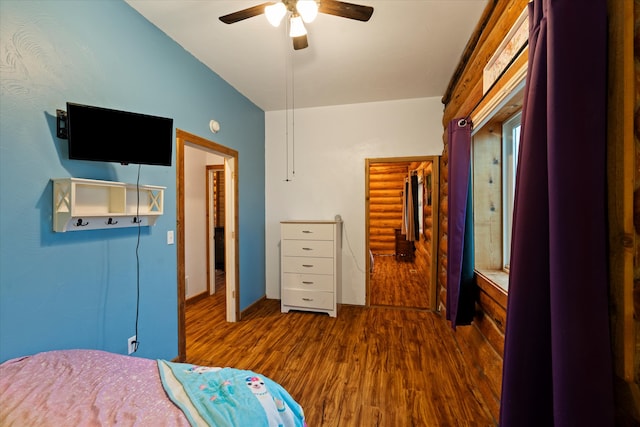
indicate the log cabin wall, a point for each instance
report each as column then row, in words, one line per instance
column 623, row 138
column 424, row 256
column 219, row 191
column 386, row 184
column 386, row 187
column 482, row 343
column 216, row 187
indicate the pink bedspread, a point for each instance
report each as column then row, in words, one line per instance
column 84, row 388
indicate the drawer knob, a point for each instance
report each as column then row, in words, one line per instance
column 307, row 231
column 307, row 249
column 304, row 282
column 307, row 299
column 307, row 265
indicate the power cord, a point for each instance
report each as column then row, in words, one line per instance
column 136, row 342
column 355, row 261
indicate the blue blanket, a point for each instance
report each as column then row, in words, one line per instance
column 229, row 397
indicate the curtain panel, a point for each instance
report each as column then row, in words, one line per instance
column 557, row 368
column 461, row 288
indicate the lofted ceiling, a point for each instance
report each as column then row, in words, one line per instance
column 408, row 49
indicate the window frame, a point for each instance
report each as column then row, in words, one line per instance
column 490, row 238
column 510, row 147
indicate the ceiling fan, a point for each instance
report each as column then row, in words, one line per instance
column 300, row 12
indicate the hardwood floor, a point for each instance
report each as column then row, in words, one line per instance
column 370, row 366
column 397, row 284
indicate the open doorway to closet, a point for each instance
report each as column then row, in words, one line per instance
column 195, row 209
column 215, row 206
column 401, row 231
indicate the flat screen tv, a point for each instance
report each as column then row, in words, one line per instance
column 106, row 135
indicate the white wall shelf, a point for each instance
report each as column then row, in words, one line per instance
column 88, row 204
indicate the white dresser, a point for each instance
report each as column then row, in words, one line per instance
column 310, row 265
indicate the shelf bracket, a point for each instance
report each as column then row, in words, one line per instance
column 62, row 195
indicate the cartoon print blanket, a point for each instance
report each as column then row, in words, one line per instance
column 228, row 397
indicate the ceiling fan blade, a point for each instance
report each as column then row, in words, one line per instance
column 244, row 14
column 346, row 10
column 300, row 42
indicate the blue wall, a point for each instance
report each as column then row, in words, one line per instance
column 78, row 289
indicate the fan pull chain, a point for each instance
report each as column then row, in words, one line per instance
column 289, row 82
column 293, row 118
column 286, row 112
column 286, row 119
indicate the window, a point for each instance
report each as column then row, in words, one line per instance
column 510, row 145
column 494, row 162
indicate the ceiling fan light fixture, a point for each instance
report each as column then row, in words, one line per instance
column 308, row 10
column 275, row 12
column 299, row 12
column 296, row 26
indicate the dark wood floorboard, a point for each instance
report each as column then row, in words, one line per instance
column 370, row 366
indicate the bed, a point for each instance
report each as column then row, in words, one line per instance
column 98, row 388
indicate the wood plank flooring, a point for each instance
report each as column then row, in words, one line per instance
column 397, row 284
column 370, row 366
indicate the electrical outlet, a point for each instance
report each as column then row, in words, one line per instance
column 131, row 344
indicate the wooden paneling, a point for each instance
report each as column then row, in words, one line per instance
column 492, row 317
column 219, row 194
column 386, row 185
column 465, row 92
column 623, row 185
column 487, row 196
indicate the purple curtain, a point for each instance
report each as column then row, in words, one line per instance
column 557, row 360
column 460, row 285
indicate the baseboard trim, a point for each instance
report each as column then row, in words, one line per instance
column 197, row 297
column 252, row 307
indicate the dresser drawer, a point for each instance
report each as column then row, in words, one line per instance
column 309, row 282
column 310, row 265
column 308, row 299
column 308, row 248
column 307, row 231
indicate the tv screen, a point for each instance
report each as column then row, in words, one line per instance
column 106, row 135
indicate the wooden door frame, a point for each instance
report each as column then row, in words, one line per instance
column 435, row 161
column 182, row 138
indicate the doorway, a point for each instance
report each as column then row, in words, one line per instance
column 230, row 159
column 215, row 205
column 401, row 271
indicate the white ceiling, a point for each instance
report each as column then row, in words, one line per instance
column 408, row 49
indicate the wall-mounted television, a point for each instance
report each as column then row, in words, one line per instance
column 106, row 135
